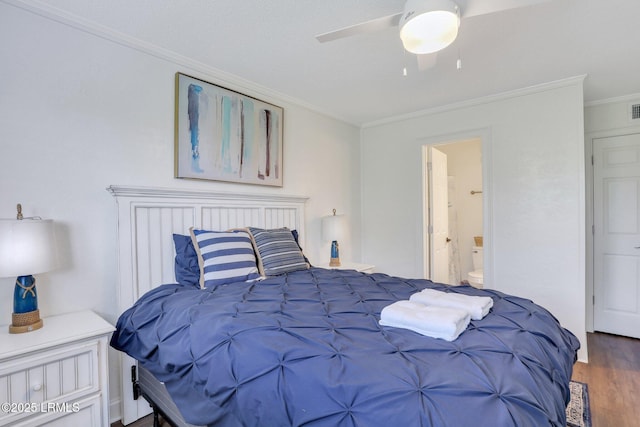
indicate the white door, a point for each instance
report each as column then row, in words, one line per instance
column 439, row 215
column 616, row 192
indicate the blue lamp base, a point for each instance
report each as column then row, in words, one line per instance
column 26, row 316
column 335, row 254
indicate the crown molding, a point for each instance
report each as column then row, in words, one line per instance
column 481, row 100
column 220, row 77
column 634, row 97
column 253, row 89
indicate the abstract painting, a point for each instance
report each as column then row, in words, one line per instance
column 223, row 135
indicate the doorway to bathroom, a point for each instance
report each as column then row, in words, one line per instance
column 453, row 214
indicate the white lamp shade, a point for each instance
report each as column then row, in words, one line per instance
column 27, row 247
column 333, row 227
column 428, row 26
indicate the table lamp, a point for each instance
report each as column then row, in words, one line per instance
column 332, row 231
column 27, row 247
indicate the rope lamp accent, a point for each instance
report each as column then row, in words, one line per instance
column 27, row 247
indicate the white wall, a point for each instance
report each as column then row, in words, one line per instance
column 533, row 156
column 611, row 115
column 79, row 112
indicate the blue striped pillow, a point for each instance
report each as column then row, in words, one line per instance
column 277, row 250
column 224, row 257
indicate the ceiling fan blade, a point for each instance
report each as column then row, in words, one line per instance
column 377, row 24
column 426, row 61
column 482, row 7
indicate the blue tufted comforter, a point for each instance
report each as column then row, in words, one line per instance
column 306, row 349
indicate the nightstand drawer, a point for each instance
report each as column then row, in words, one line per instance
column 57, row 375
column 85, row 412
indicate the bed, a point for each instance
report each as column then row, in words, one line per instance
column 306, row 347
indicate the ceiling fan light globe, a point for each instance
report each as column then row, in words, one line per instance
column 430, row 26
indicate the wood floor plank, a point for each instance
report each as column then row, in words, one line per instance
column 613, row 377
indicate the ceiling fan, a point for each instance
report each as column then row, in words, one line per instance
column 428, row 26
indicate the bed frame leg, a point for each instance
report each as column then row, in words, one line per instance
column 156, row 418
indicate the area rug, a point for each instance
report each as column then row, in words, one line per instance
column 578, row 414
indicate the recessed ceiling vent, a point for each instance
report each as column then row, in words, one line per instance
column 635, row 111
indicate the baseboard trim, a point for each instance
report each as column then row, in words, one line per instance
column 114, row 411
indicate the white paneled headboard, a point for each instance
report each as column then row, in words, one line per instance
column 147, row 219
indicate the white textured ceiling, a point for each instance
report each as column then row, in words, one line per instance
column 271, row 43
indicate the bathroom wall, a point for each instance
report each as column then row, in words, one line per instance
column 464, row 163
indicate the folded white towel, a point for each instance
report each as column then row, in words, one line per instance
column 477, row 307
column 436, row 322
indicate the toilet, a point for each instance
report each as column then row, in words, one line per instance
column 475, row 277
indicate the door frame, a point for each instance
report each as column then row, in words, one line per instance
column 590, row 206
column 484, row 135
column 430, row 187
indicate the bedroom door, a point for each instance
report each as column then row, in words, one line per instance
column 616, row 192
column 439, row 215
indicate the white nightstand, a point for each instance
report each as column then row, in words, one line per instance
column 57, row 375
column 364, row 268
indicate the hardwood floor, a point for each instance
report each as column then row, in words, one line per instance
column 143, row 422
column 613, row 377
column 612, row 374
